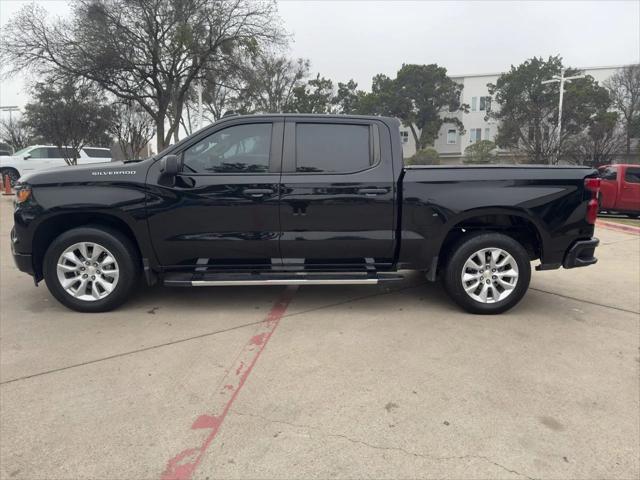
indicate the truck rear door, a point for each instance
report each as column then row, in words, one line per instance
column 337, row 194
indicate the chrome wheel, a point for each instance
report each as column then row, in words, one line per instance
column 87, row 271
column 489, row 275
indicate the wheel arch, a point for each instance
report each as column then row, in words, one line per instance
column 512, row 222
column 52, row 227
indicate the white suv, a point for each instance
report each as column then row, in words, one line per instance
column 40, row 157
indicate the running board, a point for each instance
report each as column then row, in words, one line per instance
column 231, row 280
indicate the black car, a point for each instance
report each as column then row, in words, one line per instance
column 299, row 199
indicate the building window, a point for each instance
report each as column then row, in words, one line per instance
column 485, row 104
column 452, row 137
column 487, row 132
column 474, row 104
column 404, row 136
column 475, row 135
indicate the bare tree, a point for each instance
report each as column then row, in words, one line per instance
column 16, row 133
column 270, row 82
column 599, row 144
column 145, row 51
column 624, row 90
column 132, row 128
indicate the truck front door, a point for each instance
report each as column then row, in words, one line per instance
column 609, row 187
column 337, row 205
column 630, row 190
column 222, row 211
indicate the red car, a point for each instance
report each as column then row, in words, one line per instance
column 620, row 189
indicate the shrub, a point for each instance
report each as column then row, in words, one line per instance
column 427, row 156
column 480, row 152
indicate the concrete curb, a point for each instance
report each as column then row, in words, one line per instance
column 618, row 227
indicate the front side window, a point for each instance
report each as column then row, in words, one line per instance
column 451, row 136
column 609, row 173
column 332, row 148
column 39, row 153
column 632, row 175
column 236, row 149
column 66, row 152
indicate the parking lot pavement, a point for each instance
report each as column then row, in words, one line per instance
column 340, row 382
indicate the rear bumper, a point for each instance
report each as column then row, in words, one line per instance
column 581, row 254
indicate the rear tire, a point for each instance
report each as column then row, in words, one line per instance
column 633, row 215
column 500, row 280
column 98, row 266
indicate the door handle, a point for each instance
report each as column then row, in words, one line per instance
column 373, row 191
column 257, row 192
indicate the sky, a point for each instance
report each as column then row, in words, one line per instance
column 358, row 39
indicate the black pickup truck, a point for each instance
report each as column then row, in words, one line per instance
column 299, row 199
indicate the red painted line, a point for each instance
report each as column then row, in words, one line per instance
column 183, row 465
column 619, row 227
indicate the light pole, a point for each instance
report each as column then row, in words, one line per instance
column 562, row 79
column 9, row 109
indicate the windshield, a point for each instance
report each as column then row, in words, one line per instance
column 24, row 151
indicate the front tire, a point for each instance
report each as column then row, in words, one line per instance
column 91, row 269
column 487, row 273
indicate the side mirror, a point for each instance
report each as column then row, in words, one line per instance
column 171, row 165
column 27, row 156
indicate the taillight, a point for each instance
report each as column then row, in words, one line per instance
column 592, row 185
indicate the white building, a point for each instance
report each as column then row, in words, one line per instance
column 450, row 144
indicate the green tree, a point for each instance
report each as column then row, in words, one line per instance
column 426, row 156
column 315, row 96
column 348, row 99
column 624, row 89
column 480, row 152
column 149, row 52
column 528, row 109
column 422, row 96
column 70, row 115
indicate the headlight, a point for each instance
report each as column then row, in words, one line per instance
column 23, row 193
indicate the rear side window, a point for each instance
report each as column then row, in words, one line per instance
column 332, row 148
column 609, row 173
column 98, row 152
column 632, row 175
column 54, row 153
